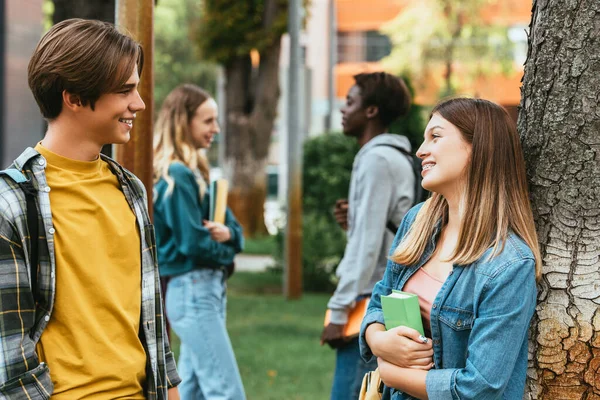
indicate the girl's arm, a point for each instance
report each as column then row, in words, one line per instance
column 183, row 213
column 401, row 346
column 235, row 229
column 408, row 380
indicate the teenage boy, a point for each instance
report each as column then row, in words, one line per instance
column 381, row 191
column 88, row 322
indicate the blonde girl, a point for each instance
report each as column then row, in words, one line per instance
column 196, row 254
column 470, row 253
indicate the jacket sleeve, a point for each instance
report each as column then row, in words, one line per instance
column 504, row 311
column 366, row 240
column 237, row 236
column 183, row 214
column 21, row 374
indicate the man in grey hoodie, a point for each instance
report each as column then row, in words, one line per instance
column 382, row 189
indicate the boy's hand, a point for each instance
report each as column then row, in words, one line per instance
column 218, row 232
column 332, row 333
column 340, row 212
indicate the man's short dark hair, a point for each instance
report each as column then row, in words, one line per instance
column 386, row 92
column 87, row 58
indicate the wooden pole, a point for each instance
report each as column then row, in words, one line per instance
column 293, row 243
column 136, row 17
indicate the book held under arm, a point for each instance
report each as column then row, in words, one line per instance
column 218, row 200
column 402, row 309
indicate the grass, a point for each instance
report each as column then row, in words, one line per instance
column 260, row 245
column 276, row 341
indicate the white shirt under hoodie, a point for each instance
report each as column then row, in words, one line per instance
column 381, row 190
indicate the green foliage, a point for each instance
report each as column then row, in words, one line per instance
column 326, row 178
column 47, row 12
column 260, row 245
column 323, row 244
column 326, row 171
column 245, row 282
column 229, row 29
column 430, row 34
column 276, row 344
column 176, row 60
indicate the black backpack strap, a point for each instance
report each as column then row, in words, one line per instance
column 32, row 221
column 34, row 235
column 390, row 225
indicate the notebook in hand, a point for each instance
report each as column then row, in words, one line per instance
column 402, row 308
column 355, row 317
column 218, row 200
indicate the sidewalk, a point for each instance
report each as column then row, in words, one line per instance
column 252, row 262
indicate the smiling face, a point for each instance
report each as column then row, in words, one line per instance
column 204, row 124
column 445, row 156
column 111, row 120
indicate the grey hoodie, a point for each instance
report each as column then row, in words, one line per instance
column 381, row 190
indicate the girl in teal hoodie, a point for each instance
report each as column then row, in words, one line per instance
column 195, row 253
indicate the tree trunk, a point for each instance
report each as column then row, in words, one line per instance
column 103, row 10
column 251, row 108
column 559, row 124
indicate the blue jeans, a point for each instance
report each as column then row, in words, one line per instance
column 349, row 372
column 195, row 305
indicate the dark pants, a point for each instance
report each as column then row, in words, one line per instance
column 349, row 372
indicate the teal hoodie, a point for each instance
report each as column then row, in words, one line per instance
column 183, row 243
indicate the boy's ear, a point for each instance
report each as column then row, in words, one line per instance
column 372, row 111
column 71, row 101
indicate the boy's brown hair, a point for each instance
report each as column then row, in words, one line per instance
column 87, row 58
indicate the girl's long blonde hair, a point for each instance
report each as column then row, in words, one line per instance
column 496, row 191
column 172, row 138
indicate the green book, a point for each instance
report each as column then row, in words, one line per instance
column 402, row 308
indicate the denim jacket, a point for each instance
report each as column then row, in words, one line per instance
column 479, row 321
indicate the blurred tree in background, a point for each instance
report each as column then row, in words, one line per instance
column 176, row 58
column 245, row 38
column 104, row 10
column 432, row 38
column 327, row 166
column 412, row 125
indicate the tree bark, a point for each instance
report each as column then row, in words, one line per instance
column 252, row 95
column 104, row 10
column 559, row 123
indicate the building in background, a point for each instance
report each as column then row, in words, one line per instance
column 359, row 46
column 21, row 125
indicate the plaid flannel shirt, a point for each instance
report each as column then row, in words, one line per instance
column 23, row 319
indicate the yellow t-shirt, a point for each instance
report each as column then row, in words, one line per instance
column 91, row 343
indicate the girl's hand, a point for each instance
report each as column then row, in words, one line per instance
column 218, row 232
column 402, row 346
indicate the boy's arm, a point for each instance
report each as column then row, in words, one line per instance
column 21, row 375
column 364, row 245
